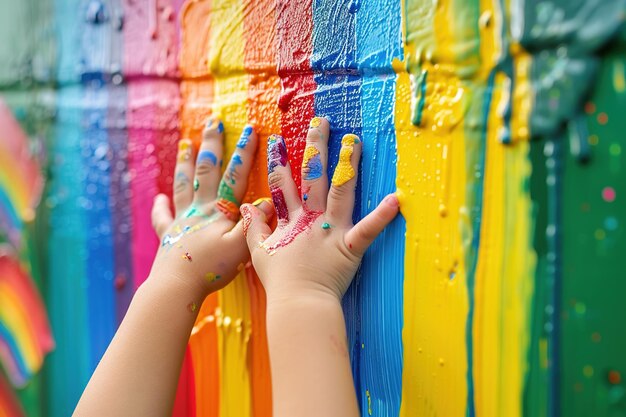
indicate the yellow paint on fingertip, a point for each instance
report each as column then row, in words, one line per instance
column 315, row 122
column 344, row 171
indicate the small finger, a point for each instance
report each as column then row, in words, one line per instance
column 284, row 191
column 341, row 196
column 314, row 178
column 254, row 224
column 183, row 188
column 161, row 214
column 361, row 236
column 234, row 182
column 209, row 161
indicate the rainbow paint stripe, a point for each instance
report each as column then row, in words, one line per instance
column 20, row 179
column 25, row 336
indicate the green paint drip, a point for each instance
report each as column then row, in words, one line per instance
column 419, row 107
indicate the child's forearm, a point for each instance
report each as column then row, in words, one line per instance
column 309, row 357
column 139, row 372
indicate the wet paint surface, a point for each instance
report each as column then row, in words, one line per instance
column 503, row 234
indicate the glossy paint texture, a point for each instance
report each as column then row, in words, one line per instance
column 496, row 293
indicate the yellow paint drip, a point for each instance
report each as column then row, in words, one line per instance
column 344, row 171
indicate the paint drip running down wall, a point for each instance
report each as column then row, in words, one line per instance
column 498, row 292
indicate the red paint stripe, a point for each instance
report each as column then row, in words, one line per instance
column 294, row 39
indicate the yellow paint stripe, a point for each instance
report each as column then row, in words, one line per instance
column 226, row 63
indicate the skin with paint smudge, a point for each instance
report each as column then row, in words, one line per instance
column 202, row 249
column 306, row 265
column 201, row 244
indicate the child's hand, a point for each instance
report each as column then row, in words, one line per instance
column 316, row 249
column 204, row 246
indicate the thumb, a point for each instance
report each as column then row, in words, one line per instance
column 364, row 232
column 255, row 217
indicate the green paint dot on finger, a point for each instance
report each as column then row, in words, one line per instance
column 325, row 226
column 196, row 184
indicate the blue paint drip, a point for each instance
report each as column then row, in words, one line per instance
column 206, row 155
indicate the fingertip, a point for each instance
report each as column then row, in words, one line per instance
column 248, row 139
column 212, row 126
column 265, row 205
column 392, row 201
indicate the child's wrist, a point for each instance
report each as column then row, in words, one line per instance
column 289, row 296
column 177, row 286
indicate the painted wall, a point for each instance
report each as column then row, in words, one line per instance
column 499, row 292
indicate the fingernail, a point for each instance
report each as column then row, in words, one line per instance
column 247, row 218
column 184, row 150
column 392, row 200
column 276, row 152
column 261, row 200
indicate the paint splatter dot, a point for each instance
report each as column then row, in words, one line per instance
column 443, row 210
column 588, row 371
column 211, row 277
column 192, row 307
column 614, row 377
column 599, row 234
column 325, row 226
column 608, row 194
column 305, row 196
column 611, row 223
column 120, row 282
column 615, row 149
column 196, row 184
column 593, row 140
column 603, row 118
column 580, row 308
column 187, row 256
column 590, row 108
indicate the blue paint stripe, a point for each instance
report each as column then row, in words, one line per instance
column 69, row 363
column 337, row 97
column 119, row 198
column 382, row 270
column 99, row 250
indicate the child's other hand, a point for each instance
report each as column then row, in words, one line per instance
column 315, row 249
column 203, row 247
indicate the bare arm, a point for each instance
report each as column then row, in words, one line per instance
column 306, row 265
